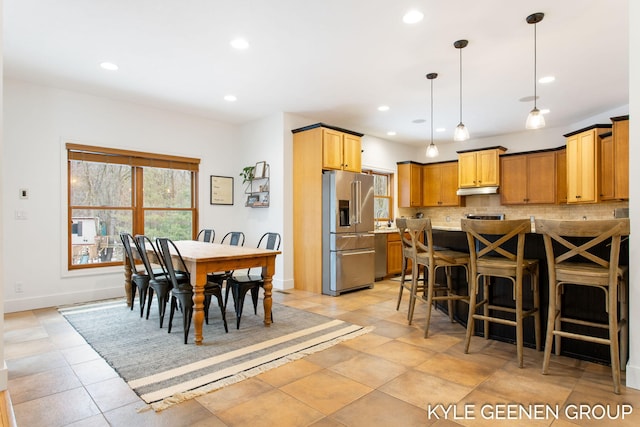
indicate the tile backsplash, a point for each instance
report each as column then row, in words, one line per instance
column 487, row 204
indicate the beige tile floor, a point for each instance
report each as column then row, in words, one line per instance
column 391, row 376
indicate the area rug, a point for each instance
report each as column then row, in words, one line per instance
column 163, row 371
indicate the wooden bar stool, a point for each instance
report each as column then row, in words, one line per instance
column 588, row 269
column 490, row 255
column 432, row 259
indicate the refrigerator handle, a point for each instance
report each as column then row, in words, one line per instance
column 358, row 202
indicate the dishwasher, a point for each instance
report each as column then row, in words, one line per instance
column 380, row 246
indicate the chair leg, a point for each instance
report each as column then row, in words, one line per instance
column 535, row 284
column 172, row 310
column 557, row 322
column 149, row 301
column 143, row 297
column 239, row 306
column 485, row 297
column 162, row 307
column 431, row 273
column 551, row 321
column 624, row 323
column 404, row 272
column 254, row 298
column 187, row 313
column 613, row 336
column 449, row 291
column 473, row 295
column 413, row 293
column 133, row 287
column 207, row 303
column 517, row 294
column 222, row 311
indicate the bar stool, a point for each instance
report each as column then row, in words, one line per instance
column 432, row 259
column 592, row 270
column 401, row 224
column 491, row 255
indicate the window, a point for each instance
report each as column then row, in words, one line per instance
column 115, row 190
column 382, row 195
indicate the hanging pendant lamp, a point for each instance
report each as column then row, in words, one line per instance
column 461, row 133
column 535, row 119
column 432, row 150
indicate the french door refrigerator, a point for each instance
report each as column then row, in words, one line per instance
column 348, row 255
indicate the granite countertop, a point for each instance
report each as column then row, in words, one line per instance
column 440, row 227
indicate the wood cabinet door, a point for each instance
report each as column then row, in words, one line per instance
column 621, row 147
column 467, row 169
column 541, row 178
column 351, row 153
column 394, row 257
column 431, row 185
column 449, row 184
column 331, row 149
column 561, row 176
column 581, row 168
column 513, row 186
column 487, row 169
column 607, row 168
column 409, row 185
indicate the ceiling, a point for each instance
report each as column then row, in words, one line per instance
column 334, row 61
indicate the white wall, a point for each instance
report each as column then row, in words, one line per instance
column 38, row 121
column 633, row 366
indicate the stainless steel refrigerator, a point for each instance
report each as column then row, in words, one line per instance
column 348, row 254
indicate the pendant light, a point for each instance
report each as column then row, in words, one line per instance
column 432, row 150
column 461, row 133
column 535, row 119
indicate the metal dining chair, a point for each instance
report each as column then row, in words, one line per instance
column 243, row 283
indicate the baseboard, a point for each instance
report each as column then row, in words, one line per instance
column 633, row 376
column 55, row 300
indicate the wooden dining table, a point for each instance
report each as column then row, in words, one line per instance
column 203, row 257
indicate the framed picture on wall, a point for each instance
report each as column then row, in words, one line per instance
column 221, row 190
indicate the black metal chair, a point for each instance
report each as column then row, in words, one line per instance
column 206, row 235
column 234, row 238
column 158, row 282
column 243, row 283
column 139, row 278
column 182, row 290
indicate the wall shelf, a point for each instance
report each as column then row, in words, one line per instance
column 257, row 188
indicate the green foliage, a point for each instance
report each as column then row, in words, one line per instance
column 247, row 173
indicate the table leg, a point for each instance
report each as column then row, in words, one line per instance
column 198, row 280
column 127, row 280
column 268, row 286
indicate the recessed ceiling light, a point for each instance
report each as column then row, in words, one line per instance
column 383, row 108
column 412, row 17
column 391, row 133
column 230, row 98
column 440, row 129
column 546, row 79
column 109, row 66
column 418, row 121
column 239, row 43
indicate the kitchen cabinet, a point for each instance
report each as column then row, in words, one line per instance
column 310, row 144
column 528, row 178
column 561, row 176
column 479, row 168
column 394, row 255
column 409, row 184
column 583, row 167
column 341, row 150
column 614, row 161
column 439, row 184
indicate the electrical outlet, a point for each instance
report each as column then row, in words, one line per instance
column 18, row 288
column 24, row 193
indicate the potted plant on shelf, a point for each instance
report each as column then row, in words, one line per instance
column 247, row 173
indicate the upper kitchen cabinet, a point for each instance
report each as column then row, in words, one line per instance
column 528, row 178
column 479, row 168
column 561, row 176
column 614, row 161
column 583, row 166
column 409, row 184
column 439, row 184
column 341, row 150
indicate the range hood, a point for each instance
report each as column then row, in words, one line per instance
column 470, row 191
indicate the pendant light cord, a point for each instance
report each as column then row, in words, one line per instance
column 535, row 66
column 431, row 111
column 460, row 85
